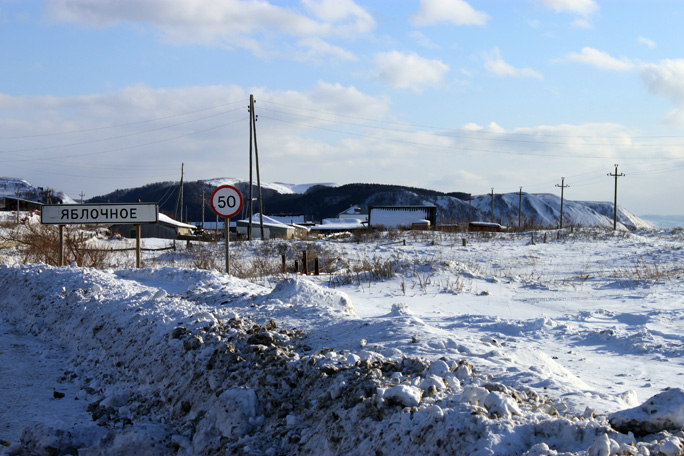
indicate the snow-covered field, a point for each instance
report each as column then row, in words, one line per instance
column 417, row 343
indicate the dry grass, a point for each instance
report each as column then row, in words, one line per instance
column 40, row 244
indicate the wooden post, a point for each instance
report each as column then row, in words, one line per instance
column 562, row 187
column 616, row 175
column 284, row 263
column 464, row 242
column 520, row 209
column 317, row 270
column 137, row 246
column 492, row 218
column 305, row 265
column 226, row 222
column 61, row 243
column 296, row 266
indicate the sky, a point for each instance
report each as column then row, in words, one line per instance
column 456, row 96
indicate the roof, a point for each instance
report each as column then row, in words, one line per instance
column 268, row 221
column 166, row 220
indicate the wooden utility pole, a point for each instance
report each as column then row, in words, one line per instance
column 250, row 212
column 82, row 195
column 179, row 198
column 18, row 207
column 520, row 209
column 252, row 140
column 616, row 175
column 202, row 208
column 256, row 158
column 492, row 218
column 562, row 187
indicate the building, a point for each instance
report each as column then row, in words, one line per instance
column 10, row 204
column 485, row 227
column 402, row 216
column 354, row 213
column 165, row 228
column 273, row 229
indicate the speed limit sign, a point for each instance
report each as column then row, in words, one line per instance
column 226, row 201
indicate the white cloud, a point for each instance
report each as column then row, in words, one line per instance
column 336, row 11
column 457, row 12
column 317, row 49
column 254, row 25
column 423, row 40
column 582, row 7
column 494, row 63
column 600, row 59
column 409, row 70
column 582, row 23
column 646, row 42
column 667, row 79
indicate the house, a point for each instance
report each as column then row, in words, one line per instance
column 290, row 219
column 354, row 213
column 10, row 204
column 402, row 216
column 485, row 227
column 165, row 228
column 329, row 226
column 273, row 229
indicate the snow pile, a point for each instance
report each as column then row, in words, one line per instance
column 500, row 348
column 663, row 412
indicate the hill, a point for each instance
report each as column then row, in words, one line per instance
column 11, row 187
column 319, row 201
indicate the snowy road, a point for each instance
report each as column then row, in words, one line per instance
column 31, row 371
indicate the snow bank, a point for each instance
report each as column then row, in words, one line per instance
column 499, row 348
column 663, row 412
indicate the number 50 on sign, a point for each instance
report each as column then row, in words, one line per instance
column 226, row 201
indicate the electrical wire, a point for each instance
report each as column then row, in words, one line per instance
column 128, row 135
column 124, row 124
column 85, row 154
column 466, row 130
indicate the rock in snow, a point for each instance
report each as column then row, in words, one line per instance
column 663, row 412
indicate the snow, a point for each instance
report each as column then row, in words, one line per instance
column 502, row 347
column 169, row 221
column 9, row 186
column 280, row 187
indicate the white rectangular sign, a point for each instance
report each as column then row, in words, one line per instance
column 90, row 214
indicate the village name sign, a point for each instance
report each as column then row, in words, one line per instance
column 99, row 214
column 91, row 214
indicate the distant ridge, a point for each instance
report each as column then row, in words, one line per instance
column 325, row 200
column 319, row 201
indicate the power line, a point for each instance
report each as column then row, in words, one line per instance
column 467, row 130
column 38, row 135
column 128, row 135
column 467, row 149
column 129, row 147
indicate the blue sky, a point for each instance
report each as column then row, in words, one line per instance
column 448, row 95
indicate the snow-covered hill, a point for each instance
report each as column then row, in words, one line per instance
column 538, row 210
column 12, row 186
column 280, row 187
column 543, row 209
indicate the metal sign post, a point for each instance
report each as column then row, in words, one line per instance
column 226, row 202
column 61, row 245
column 227, row 230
